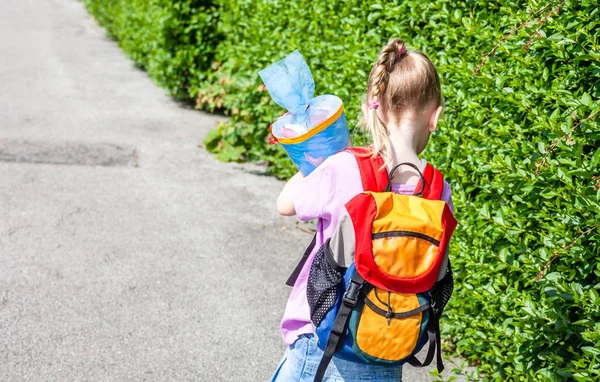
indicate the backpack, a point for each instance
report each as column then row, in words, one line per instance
column 377, row 288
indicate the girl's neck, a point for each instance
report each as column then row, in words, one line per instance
column 406, row 145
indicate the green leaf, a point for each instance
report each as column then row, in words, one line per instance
column 229, row 153
column 586, row 99
column 590, row 350
column 595, row 159
column 548, row 194
column 584, row 57
column 484, row 211
column 212, row 140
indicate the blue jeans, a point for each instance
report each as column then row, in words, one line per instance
column 301, row 360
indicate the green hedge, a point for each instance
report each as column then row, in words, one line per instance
column 174, row 41
column 526, row 255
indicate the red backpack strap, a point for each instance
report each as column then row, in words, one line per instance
column 374, row 178
column 373, row 175
column 434, row 183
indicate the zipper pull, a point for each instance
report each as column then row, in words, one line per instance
column 388, row 315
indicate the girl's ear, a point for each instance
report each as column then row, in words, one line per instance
column 434, row 118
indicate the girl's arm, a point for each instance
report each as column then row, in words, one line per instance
column 285, row 201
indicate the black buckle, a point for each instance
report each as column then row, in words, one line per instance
column 351, row 295
column 435, row 302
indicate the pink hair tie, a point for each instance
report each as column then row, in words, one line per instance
column 373, row 105
column 402, row 50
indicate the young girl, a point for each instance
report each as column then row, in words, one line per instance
column 404, row 104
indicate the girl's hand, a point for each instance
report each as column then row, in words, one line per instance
column 285, row 201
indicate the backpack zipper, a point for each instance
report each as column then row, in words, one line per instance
column 389, row 313
column 418, row 235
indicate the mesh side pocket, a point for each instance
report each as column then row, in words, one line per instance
column 445, row 287
column 323, row 286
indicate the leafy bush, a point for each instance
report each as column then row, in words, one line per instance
column 519, row 145
column 174, row 41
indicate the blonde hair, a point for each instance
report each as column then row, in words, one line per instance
column 400, row 80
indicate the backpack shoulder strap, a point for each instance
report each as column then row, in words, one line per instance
column 434, row 183
column 337, row 334
column 373, row 175
column 296, row 272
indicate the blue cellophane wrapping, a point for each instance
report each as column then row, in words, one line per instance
column 291, row 85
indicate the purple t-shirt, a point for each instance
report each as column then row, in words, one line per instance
column 322, row 195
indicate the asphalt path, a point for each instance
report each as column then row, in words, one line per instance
column 127, row 252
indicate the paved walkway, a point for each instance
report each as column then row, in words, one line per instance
column 126, row 252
